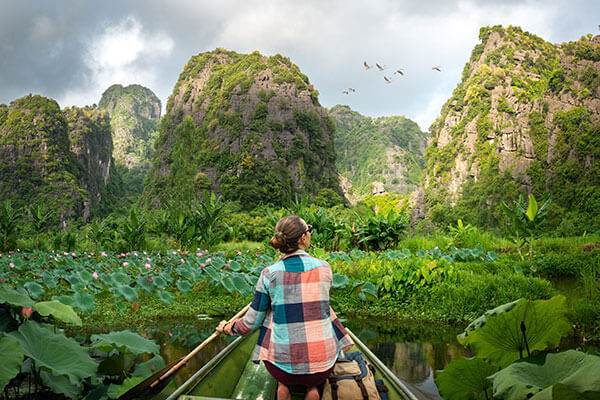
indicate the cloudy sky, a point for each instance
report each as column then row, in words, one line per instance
column 73, row 50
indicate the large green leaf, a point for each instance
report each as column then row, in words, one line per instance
column 61, row 384
column 340, row 280
column 61, row 355
column 125, row 341
column 465, row 378
column 563, row 392
column 240, row 284
column 35, row 289
column 480, row 322
column 149, row 367
column 128, row 293
column 7, row 322
column 536, row 375
column 12, row 358
column 502, row 340
column 532, row 208
column 17, row 298
column 59, row 311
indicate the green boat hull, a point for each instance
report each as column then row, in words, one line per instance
column 232, row 375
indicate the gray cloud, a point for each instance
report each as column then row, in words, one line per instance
column 53, row 48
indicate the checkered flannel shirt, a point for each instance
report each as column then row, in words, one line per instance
column 299, row 332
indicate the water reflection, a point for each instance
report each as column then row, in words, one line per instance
column 412, row 351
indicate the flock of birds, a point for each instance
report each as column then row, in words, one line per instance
column 386, row 78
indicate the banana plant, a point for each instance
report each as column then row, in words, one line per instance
column 97, row 233
column 40, row 218
column 9, row 219
column 524, row 225
column 134, row 229
column 208, row 216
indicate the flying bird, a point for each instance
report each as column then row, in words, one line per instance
column 380, row 67
column 352, row 89
column 345, row 91
column 437, row 68
column 367, row 66
column 399, row 71
column 387, row 80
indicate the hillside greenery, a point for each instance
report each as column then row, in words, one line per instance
column 221, row 146
column 569, row 176
column 362, row 144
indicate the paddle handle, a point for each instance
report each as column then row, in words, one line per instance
column 209, row 339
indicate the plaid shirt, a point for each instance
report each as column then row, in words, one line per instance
column 299, row 332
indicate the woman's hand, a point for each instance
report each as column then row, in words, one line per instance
column 226, row 327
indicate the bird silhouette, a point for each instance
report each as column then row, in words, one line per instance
column 437, row 68
column 367, row 66
column 352, row 89
column 380, row 67
column 399, row 71
column 345, row 91
column 387, row 80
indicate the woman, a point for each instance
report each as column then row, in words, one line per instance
column 300, row 335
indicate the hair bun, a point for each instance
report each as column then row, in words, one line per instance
column 278, row 240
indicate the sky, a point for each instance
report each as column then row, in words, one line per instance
column 73, row 50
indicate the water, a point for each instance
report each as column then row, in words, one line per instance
column 413, row 351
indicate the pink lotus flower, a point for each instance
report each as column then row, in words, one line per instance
column 103, row 254
column 199, row 254
column 147, row 266
column 95, row 275
column 239, row 253
column 584, row 339
column 182, row 261
column 208, row 260
column 27, row 312
column 202, row 265
column 1, row 279
column 11, row 265
column 125, row 264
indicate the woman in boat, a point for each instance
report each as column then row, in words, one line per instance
column 300, row 336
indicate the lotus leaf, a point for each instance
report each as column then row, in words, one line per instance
column 215, row 276
column 160, row 282
column 536, row 375
column 149, row 367
column 12, row 358
column 479, row 322
column 464, row 378
column 129, row 293
column 563, row 392
column 59, row 311
column 240, row 284
column 124, row 341
column 166, row 297
column 61, row 384
column 146, row 285
column 340, row 280
column 184, row 286
column 228, row 284
column 235, row 266
column 98, row 393
column 529, row 326
column 61, row 355
column 17, row 298
column 115, row 391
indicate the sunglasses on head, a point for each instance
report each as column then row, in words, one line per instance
column 309, row 229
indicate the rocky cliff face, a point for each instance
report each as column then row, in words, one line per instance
column 524, row 107
column 60, row 158
column 134, row 117
column 247, row 126
column 377, row 155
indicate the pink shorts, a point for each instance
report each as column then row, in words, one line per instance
column 297, row 379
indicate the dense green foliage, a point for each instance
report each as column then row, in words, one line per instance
column 223, row 138
column 532, row 74
column 362, row 145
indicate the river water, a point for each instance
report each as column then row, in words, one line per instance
column 413, row 351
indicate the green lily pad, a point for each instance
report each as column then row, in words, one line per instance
column 128, row 293
column 124, row 341
column 184, row 286
column 340, row 280
column 12, row 358
column 149, row 367
column 563, row 392
column 61, row 384
column 59, row 311
column 166, row 297
column 502, row 339
column 480, row 322
column 536, row 375
column 61, row 355
column 17, row 298
column 464, row 378
column 241, row 285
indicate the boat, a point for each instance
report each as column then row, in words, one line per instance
column 231, row 374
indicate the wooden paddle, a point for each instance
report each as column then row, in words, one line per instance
column 157, row 382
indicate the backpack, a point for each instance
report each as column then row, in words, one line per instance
column 352, row 379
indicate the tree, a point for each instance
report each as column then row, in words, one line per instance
column 40, row 218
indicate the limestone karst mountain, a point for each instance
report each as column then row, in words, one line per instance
column 247, row 126
column 134, row 117
column 60, row 158
column 524, row 118
column 376, row 155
